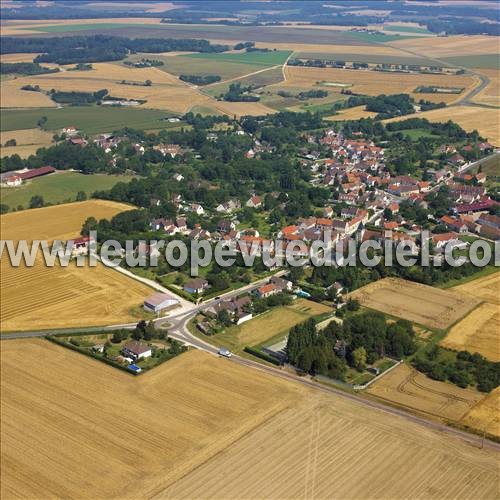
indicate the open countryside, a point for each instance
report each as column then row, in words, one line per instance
column 258, row 126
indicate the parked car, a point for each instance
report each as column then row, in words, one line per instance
column 225, row 352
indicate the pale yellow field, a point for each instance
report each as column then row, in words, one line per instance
column 167, row 92
column 239, row 108
column 479, row 331
column 382, row 50
column 203, row 427
column 28, row 141
column 418, row 303
column 42, row 297
column 486, row 288
column 485, row 416
column 449, row 46
column 491, row 94
column 131, row 436
column 57, row 222
column 485, row 120
column 352, row 114
column 376, row 82
column 328, row 448
column 11, row 95
column 17, row 58
column 407, row 387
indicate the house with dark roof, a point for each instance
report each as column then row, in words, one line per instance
column 136, row 350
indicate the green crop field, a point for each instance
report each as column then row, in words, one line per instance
column 487, row 61
column 59, row 187
column 271, row 58
column 89, row 119
column 406, row 29
column 180, row 65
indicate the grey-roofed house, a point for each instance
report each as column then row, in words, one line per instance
column 160, row 301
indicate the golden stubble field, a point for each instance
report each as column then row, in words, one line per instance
column 479, row 331
column 491, row 94
column 41, row 297
column 485, row 120
column 415, row 302
column 409, row 388
column 73, row 427
column 28, row 141
column 375, row 82
column 485, row 417
column 204, row 427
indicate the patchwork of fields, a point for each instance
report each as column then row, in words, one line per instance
column 198, row 418
column 421, row 304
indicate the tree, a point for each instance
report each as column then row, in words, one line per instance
column 37, row 201
column 148, row 83
column 223, row 317
column 10, row 142
column 149, row 331
column 359, row 358
column 81, row 196
column 4, row 208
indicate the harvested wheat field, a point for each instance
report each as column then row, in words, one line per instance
column 197, row 419
column 409, row 388
column 28, row 141
column 166, row 92
column 486, row 288
column 57, row 222
column 479, row 331
column 418, row 303
column 485, row 120
column 328, row 448
column 376, row 82
column 485, row 416
column 18, row 58
column 11, row 95
column 96, row 432
column 491, row 94
column 240, row 108
column 42, row 297
column 449, row 46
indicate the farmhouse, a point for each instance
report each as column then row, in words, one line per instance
column 36, row 172
column 198, row 285
column 159, row 302
column 11, row 180
column 238, row 308
column 81, row 245
column 136, row 350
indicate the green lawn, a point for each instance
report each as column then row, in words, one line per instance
column 271, row 58
column 56, row 188
column 89, row 119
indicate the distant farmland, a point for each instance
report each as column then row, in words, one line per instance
column 60, row 187
column 88, row 119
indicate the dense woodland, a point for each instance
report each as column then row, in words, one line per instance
column 99, row 48
column 25, row 68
